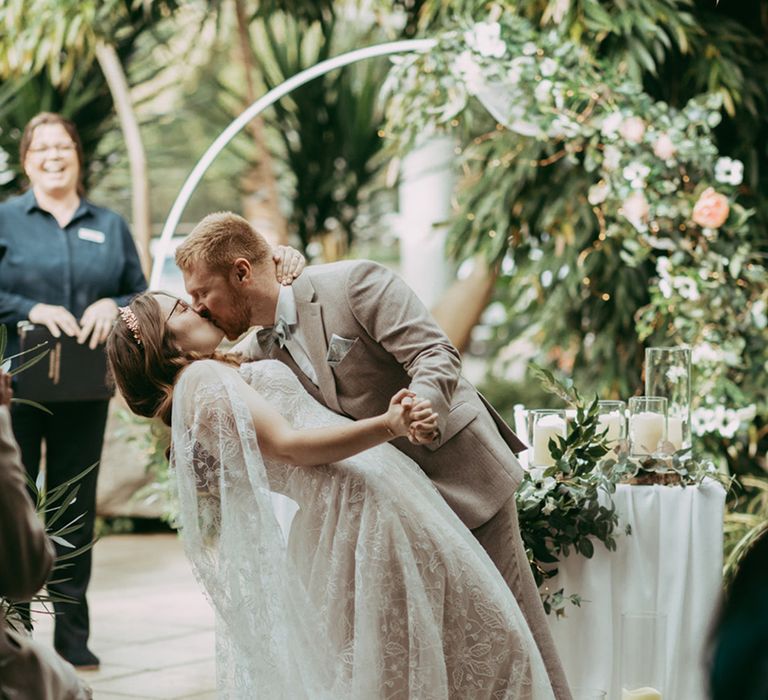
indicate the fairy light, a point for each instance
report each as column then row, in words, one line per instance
column 454, row 122
column 586, row 281
column 491, row 234
column 605, row 296
column 381, row 133
column 470, row 216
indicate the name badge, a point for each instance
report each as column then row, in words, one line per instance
column 92, row 235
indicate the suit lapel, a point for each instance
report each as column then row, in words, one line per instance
column 310, row 316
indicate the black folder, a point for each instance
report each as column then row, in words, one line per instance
column 70, row 372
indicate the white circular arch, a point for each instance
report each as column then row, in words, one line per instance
column 193, row 179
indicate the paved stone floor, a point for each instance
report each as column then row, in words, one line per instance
column 150, row 624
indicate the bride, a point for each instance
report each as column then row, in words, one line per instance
column 378, row 591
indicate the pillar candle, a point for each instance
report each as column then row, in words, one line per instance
column 675, row 432
column 611, row 423
column 546, row 428
column 646, row 429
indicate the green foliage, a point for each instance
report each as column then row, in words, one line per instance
column 587, row 284
column 51, row 506
column 566, row 508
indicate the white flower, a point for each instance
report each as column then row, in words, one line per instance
column 704, row 353
column 548, row 67
column 636, row 174
column 485, row 38
column 598, row 193
column 632, row 129
column 611, row 158
column 635, row 209
column 662, row 266
column 549, row 483
column 665, row 287
column 687, row 287
column 729, row 170
column 549, row 507
column 664, row 148
column 543, row 91
column 470, row 72
column 675, row 373
column 758, row 312
column 529, row 48
column 611, row 124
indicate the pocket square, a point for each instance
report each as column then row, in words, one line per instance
column 338, row 348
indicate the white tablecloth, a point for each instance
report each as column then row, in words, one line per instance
column 671, row 564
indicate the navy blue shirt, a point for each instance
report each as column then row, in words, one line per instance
column 90, row 258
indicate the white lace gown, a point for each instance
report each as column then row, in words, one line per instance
column 379, row 591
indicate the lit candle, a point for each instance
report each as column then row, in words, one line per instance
column 610, row 423
column 640, row 694
column 546, row 428
column 646, row 430
column 675, row 432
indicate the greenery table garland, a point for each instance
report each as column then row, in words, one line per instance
column 567, row 507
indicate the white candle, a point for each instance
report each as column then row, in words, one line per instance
column 675, row 432
column 646, row 430
column 546, row 428
column 640, row 694
column 611, row 424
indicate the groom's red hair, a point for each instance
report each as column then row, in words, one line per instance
column 220, row 239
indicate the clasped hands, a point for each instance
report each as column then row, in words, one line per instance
column 412, row 416
column 96, row 321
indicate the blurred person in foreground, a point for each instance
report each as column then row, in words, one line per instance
column 28, row 670
column 738, row 665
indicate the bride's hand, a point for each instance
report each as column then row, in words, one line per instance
column 397, row 417
column 289, row 263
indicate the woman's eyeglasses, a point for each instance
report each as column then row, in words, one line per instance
column 58, row 147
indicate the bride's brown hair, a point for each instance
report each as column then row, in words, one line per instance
column 146, row 373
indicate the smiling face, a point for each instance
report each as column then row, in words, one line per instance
column 51, row 161
column 191, row 331
column 214, row 297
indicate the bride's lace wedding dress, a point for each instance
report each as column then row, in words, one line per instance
column 379, row 591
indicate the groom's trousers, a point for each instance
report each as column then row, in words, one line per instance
column 500, row 537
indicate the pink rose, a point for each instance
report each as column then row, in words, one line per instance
column 635, row 209
column 711, row 210
column 632, row 129
column 664, row 148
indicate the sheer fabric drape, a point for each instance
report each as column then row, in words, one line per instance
column 378, row 591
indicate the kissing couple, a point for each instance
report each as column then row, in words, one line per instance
column 403, row 574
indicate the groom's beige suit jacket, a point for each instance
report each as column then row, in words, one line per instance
column 368, row 335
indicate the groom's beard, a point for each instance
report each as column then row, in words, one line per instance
column 238, row 321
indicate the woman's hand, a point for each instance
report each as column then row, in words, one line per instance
column 289, row 263
column 97, row 322
column 6, row 392
column 55, row 318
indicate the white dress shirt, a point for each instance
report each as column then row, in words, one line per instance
column 296, row 345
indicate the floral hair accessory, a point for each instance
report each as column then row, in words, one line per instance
column 126, row 313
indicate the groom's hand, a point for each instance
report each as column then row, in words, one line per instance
column 289, row 263
column 423, row 422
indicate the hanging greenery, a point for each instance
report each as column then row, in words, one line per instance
column 632, row 230
column 614, row 218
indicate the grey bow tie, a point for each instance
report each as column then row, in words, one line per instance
column 280, row 333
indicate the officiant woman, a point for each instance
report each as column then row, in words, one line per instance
column 68, row 264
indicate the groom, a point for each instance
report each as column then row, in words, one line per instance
column 354, row 334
